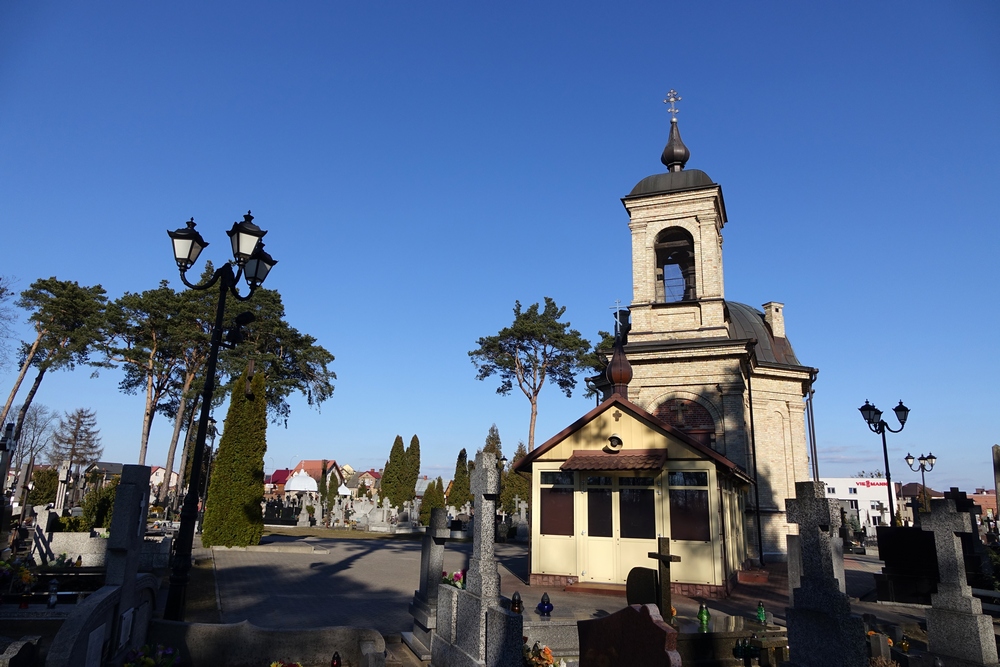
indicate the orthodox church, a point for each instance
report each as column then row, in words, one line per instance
column 701, row 433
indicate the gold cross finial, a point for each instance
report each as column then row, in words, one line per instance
column 672, row 97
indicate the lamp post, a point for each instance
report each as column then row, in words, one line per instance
column 873, row 417
column 254, row 264
column 926, row 465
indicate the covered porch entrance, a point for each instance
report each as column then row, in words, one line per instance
column 620, row 518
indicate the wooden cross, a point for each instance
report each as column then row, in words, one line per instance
column 663, row 557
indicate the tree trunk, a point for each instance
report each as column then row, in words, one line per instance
column 20, row 377
column 27, row 404
column 531, row 426
column 161, row 497
column 189, row 437
column 150, row 411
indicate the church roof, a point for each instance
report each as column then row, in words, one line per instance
column 672, row 181
column 616, row 400
column 748, row 322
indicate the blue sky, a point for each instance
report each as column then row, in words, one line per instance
column 419, row 166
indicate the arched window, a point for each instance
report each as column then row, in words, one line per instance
column 689, row 416
column 674, row 266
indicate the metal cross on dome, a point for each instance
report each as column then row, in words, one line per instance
column 616, row 308
column 672, row 97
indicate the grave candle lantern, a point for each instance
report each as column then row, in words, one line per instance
column 545, row 606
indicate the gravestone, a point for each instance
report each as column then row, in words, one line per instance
column 821, row 612
column 475, row 625
column 636, row 635
column 978, row 568
column 425, row 600
column 115, row 619
column 910, row 571
column 63, row 488
column 956, row 626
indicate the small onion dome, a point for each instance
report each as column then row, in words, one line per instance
column 619, row 370
column 676, row 154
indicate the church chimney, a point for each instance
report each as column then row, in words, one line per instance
column 775, row 318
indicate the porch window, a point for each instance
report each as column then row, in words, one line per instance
column 556, row 516
column 637, row 507
column 689, row 517
column 599, row 507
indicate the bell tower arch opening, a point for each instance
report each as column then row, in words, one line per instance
column 675, row 275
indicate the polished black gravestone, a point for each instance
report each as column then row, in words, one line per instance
column 636, row 635
column 910, row 573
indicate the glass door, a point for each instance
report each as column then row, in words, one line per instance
column 600, row 540
column 637, row 522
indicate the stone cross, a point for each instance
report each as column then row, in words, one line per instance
column 64, row 479
column 425, row 600
column 482, row 580
column 956, row 626
column 818, row 518
column 663, row 557
column 821, row 612
column 522, row 510
column 679, row 408
column 128, row 527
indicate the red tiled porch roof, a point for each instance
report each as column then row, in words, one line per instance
column 626, row 459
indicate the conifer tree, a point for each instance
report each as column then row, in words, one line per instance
column 460, row 486
column 515, row 484
column 411, row 469
column 433, row 498
column 392, row 476
column 44, row 486
column 76, row 439
column 492, row 444
column 232, row 510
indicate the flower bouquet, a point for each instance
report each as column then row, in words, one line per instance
column 26, row 579
column 538, row 656
column 148, row 656
column 457, row 579
column 282, row 663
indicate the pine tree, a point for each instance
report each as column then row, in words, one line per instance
column 392, row 475
column 433, row 498
column 411, row 470
column 515, row 484
column 460, row 486
column 76, row 439
column 236, row 490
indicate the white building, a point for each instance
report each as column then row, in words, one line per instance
column 868, row 495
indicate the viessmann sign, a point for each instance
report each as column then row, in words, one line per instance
column 868, row 483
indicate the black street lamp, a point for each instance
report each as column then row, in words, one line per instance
column 926, row 465
column 254, row 264
column 873, row 416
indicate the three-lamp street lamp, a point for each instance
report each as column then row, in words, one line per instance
column 926, row 465
column 873, row 417
column 253, row 264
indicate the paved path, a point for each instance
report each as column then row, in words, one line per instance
column 362, row 583
column 370, row 582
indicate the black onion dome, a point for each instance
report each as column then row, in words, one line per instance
column 675, row 154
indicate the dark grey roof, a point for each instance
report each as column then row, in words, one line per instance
column 748, row 322
column 104, row 466
column 672, row 181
